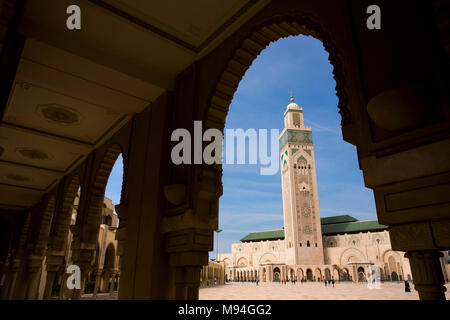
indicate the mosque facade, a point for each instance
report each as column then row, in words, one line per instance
column 309, row 247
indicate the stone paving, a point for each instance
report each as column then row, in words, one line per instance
column 305, row 291
column 309, row 291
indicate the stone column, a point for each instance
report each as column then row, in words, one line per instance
column 188, row 252
column 98, row 274
column 82, row 258
column 51, row 275
column 84, row 243
column 427, row 274
column 63, row 285
column 34, row 273
column 54, row 263
column 10, row 283
column 113, row 280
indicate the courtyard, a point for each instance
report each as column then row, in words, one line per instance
column 309, row 291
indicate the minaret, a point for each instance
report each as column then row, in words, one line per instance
column 302, row 229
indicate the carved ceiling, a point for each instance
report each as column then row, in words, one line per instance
column 74, row 89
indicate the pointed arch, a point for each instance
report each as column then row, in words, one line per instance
column 45, row 222
column 63, row 214
column 97, row 192
column 251, row 46
column 349, row 253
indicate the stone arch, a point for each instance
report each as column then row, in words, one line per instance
column 361, row 274
column 63, row 214
column 344, row 274
column 44, row 224
column 108, row 267
column 276, row 274
column 251, row 46
column 309, row 274
column 327, row 273
column 318, row 274
column 242, row 261
column 335, row 275
column 268, row 258
column 349, row 253
column 97, row 190
column 110, row 255
column 389, row 252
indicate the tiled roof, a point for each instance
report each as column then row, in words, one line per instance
column 330, row 226
column 349, row 227
column 337, row 219
column 264, row 235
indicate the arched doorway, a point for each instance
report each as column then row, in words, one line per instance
column 108, row 273
column 344, row 275
column 318, row 275
column 327, row 274
column 361, row 274
column 276, row 274
column 309, row 275
column 394, row 276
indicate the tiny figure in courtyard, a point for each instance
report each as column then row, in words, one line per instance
column 325, row 283
column 407, row 287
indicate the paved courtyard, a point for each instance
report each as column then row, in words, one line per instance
column 309, row 291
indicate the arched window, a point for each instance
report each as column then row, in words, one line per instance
column 316, row 244
column 308, row 244
column 300, row 244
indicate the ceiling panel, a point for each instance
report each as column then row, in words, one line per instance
column 27, row 177
column 34, row 106
column 31, row 149
column 96, row 74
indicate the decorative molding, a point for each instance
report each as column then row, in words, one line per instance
column 33, row 154
column 168, row 36
column 64, row 215
column 97, row 189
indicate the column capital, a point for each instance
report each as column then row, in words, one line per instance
column 427, row 274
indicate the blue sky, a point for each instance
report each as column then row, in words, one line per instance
column 252, row 202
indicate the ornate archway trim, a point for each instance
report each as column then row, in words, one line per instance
column 251, row 47
column 97, row 192
column 64, row 215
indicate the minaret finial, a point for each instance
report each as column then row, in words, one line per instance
column 292, row 97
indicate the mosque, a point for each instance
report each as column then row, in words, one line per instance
column 310, row 247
